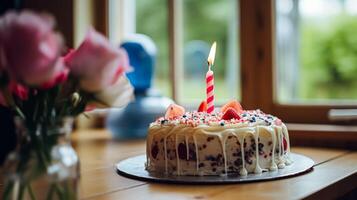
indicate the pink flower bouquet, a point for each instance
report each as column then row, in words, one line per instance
column 32, row 70
column 43, row 86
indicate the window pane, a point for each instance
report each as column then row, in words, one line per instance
column 316, row 50
column 203, row 23
column 151, row 20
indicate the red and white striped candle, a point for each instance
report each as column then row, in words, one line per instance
column 210, row 80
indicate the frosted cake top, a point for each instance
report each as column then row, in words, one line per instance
column 233, row 114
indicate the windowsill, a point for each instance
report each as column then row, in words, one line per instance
column 315, row 135
column 323, row 135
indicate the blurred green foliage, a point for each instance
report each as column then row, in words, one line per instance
column 329, row 58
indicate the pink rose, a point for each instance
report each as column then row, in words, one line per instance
column 68, row 56
column 90, row 107
column 60, row 77
column 30, row 47
column 117, row 95
column 2, row 100
column 19, row 90
column 2, row 58
column 97, row 63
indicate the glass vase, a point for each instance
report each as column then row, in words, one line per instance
column 44, row 164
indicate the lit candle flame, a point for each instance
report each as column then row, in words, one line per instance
column 212, row 54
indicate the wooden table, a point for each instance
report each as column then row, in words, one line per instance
column 334, row 174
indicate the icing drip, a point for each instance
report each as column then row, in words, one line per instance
column 286, row 134
column 273, row 165
column 187, row 150
column 241, row 138
column 223, row 143
column 177, row 156
column 147, row 164
column 165, row 149
column 257, row 169
column 243, row 171
column 196, row 147
column 281, row 163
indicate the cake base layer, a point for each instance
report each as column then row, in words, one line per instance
column 133, row 168
column 205, row 150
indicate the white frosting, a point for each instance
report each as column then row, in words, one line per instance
column 259, row 130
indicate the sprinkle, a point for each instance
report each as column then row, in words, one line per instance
column 164, row 121
column 195, row 118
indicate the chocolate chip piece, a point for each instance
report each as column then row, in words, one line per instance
column 210, row 158
column 238, row 162
column 164, row 121
column 154, row 151
column 209, row 139
column 191, row 154
column 182, row 152
column 249, row 161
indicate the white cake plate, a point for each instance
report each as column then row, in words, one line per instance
column 134, row 167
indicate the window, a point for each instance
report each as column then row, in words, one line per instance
column 261, row 69
column 282, row 64
column 194, row 26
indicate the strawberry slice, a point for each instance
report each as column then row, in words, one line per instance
column 285, row 144
column 173, row 111
column 232, row 104
column 278, row 122
column 203, row 106
column 230, row 114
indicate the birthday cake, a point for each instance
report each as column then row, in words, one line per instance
column 226, row 141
